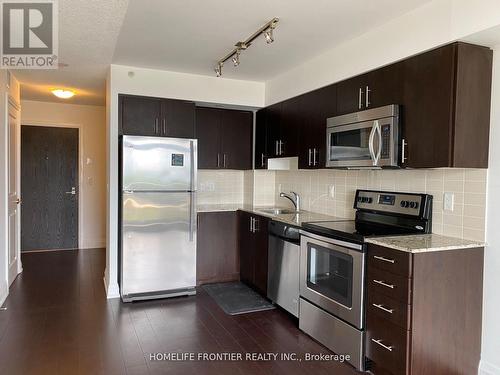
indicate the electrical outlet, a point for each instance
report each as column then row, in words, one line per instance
column 448, row 201
column 210, row 186
column 331, row 191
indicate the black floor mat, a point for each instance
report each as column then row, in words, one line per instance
column 237, row 298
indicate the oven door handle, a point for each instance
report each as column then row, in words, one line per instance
column 370, row 143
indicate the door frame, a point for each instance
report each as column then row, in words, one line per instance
column 50, row 124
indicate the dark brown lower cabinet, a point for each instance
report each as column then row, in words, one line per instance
column 217, row 256
column 425, row 318
column 253, row 244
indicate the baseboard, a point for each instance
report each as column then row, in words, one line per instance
column 94, row 244
column 112, row 290
column 486, row 368
column 4, row 293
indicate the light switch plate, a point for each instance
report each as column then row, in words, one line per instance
column 331, row 191
column 448, row 201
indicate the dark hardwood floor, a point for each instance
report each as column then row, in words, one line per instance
column 58, row 321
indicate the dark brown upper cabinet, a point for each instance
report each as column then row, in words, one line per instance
column 224, row 138
column 351, row 95
column 316, row 107
column 261, row 153
column 446, row 117
column 282, row 122
column 156, row 117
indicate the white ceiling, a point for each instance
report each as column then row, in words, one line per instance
column 88, row 31
column 191, row 35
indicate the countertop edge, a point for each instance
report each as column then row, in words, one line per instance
column 381, row 242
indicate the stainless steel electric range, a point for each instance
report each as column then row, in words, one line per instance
column 332, row 266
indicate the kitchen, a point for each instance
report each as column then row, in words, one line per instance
column 335, row 209
column 330, row 272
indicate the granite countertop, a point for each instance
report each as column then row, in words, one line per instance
column 422, row 243
column 293, row 219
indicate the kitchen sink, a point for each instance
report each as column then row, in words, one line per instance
column 278, row 211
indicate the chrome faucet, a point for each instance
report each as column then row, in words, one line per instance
column 294, row 198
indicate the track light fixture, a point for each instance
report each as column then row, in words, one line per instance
column 266, row 30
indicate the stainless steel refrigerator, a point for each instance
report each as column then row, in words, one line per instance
column 158, row 226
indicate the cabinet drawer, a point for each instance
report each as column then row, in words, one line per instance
column 387, row 345
column 389, row 284
column 395, row 261
column 384, row 307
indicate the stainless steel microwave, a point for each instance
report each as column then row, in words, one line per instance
column 363, row 139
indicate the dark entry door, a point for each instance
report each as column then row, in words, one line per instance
column 49, row 188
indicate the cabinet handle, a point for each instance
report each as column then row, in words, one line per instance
column 255, row 225
column 403, row 151
column 379, row 342
column 309, row 163
column 277, row 149
column 251, row 224
column 157, row 129
column 281, row 147
column 384, row 284
column 224, row 160
column 262, row 164
column 164, row 126
column 381, row 307
column 367, row 97
column 360, row 98
column 383, row 259
column 218, row 160
column 314, row 157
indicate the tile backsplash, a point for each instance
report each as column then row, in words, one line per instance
column 220, row 186
column 332, row 192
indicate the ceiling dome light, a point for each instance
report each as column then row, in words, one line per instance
column 63, row 94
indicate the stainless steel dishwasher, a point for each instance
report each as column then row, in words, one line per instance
column 283, row 266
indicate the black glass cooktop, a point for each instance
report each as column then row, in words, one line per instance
column 351, row 230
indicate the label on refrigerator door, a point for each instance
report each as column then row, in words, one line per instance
column 177, row 160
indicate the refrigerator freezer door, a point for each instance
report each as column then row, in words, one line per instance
column 159, row 244
column 159, row 164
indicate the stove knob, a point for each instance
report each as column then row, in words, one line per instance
column 413, row 204
column 370, row 200
column 402, row 204
column 416, row 204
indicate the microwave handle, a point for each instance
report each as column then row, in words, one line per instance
column 370, row 143
column 379, row 133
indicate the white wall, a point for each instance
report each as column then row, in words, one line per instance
column 490, row 359
column 92, row 122
column 164, row 84
column 435, row 23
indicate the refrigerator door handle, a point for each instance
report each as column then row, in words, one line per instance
column 194, row 164
column 192, row 218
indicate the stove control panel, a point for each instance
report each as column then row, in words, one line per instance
column 391, row 202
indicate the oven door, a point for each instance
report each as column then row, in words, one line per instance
column 332, row 276
column 363, row 144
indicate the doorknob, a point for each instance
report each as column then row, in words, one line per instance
column 72, row 192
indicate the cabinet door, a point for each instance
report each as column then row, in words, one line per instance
column 140, row 116
column 178, row 118
column 273, row 120
column 207, row 133
column 351, row 95
column 317, row 106
column 246, row 247
column 217, row 256
column 428, row 106
column 260, row 243
column 290, row 123
column 386, row 85
column 236, row 139
column 261, row 155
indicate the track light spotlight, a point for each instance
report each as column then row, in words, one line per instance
column 236, row 58
column 269, row 35
column 218, row 69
